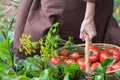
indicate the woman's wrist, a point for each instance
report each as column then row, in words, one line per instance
column 88, row 19
column 90, row 11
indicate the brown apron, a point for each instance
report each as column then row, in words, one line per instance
column 36, row 16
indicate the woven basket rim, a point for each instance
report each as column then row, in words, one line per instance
column 101, row 44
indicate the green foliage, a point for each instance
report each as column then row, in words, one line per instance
column 52, row 38
column 5, row 49
column 117, row 74
column 100, row 72
column 50, row 43
column 71, row 72
column 7, row 58
column 6, row 38
column 7, row 32
column 62, row 72
column 45, row 75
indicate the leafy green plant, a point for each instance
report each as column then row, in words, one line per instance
column 5, row 33
column 7, row 57
column 62, row 72
column 49, row 44
column 100, row 72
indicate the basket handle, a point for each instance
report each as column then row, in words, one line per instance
column 87, row 43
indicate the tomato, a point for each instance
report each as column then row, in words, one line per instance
column 75, row 55
column 115, row 53
column 110, row 53
column 94, row 53
column 81, row 63
column 69, row 61
column 61, row 59
column 116, row 66
column 54, row 60
column 64, row 53
column 94, row 66
column 108, row 69
column 104, row 55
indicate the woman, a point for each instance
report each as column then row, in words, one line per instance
column 76, row 17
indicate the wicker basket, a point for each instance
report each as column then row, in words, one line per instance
column 98, row 45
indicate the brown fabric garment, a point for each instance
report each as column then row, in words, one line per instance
column 112, row 35
column 36, row 16
column 95, row 1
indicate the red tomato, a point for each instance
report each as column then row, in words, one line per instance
column 115, row 53
column 94, row 53
column 94, row 66
column 69, row 61
column 61, row 59
column 108, row 69
column 104, row 55
column 81, row 63
column 64, row 53
column 54, row 60
column 116, row 66
column 110, row 53
column 75, row 55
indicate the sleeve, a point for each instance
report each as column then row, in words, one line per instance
column 23, row 11
column 95, row 1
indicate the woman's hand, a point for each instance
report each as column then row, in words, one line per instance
column 88, row 26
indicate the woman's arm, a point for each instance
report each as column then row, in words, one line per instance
column 90, row 10
column 88, row 25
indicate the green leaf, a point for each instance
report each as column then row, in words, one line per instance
column 22, row 72
column 11, row 36
column 117, row 74
column 4, row 34
column 23, row 78
column 2, row 73
column 45, row 75
column 2, row 38
column 35, row 78
column 32, row 68
column 5, row 51
column 100, row 72
column 66, row 77
column 108, row 62
column 5, row 68
column 72, row 71
column 10, row 77
column 99, row 77
column 11, row 24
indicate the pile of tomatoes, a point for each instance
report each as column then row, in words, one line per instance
column 97, row 56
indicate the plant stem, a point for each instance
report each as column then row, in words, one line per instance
column 12, row 58
column 11, row 54
column 8, row 65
